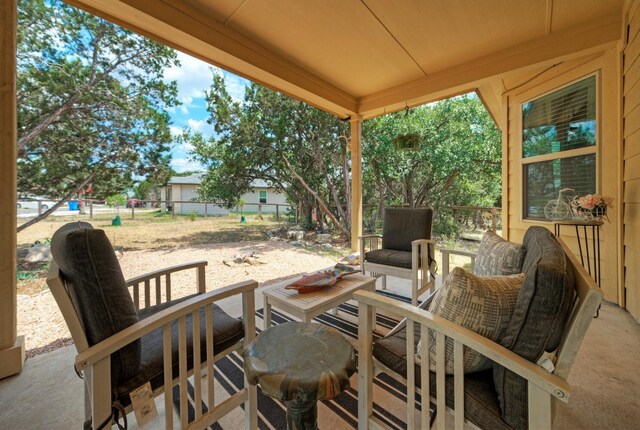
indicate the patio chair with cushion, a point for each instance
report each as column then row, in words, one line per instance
column 496, row 350
column 125, row 343
column 407, row 250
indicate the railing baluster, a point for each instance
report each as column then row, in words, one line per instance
column 182, row 363
column 147, row 293
column 197, row 363
column 440, row 381
column 458, row 381
column 425, row 381
column 168, row 376
column 158, row 290
column 209, row 337
column 167, row 286
column 136, row 296
column 411, row 379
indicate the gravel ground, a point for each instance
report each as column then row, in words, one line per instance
column 40, row 320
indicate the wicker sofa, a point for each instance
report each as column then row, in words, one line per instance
column 552, row 312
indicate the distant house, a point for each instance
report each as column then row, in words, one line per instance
column 182, row 190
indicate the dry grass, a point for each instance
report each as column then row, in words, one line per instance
column 152, row 242
column 156, row 231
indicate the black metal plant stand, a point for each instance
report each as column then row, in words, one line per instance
column 595, row 245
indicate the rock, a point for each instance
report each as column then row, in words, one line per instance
column 275, row 239
column 323, row 238
column 39, row 252
column 327, row 245
column 301, row 243
column 352, row 259
column 295, row 234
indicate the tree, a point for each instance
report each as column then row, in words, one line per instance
column 91, row 103
column 454, row 158
column 299, row 149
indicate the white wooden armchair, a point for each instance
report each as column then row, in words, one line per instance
column 529, row 389
column 405, row 249
column 124, row 343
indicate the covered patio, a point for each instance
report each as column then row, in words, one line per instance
column 361, row 59
column 605, row 387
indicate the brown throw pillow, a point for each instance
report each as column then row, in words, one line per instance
column 481, row 304
column 497, row 257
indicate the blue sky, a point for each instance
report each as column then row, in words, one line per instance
column 194, row 78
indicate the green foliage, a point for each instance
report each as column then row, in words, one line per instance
column 456, row 162
column 272, row 137
column 116, row 200
column 92, row 102
column 192, row 216
column 447, row 153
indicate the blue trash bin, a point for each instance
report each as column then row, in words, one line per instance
column 73, row 205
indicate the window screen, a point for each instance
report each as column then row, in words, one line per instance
column 560, row 121
column 556, row 129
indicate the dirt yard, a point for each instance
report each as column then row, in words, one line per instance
column 151, row 242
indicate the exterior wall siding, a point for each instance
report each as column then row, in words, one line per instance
column 252, row 200
column 606, row 66
column 631, row 158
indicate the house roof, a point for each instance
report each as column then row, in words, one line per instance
column 367, row 57
column 193, row 179
column 196, row 179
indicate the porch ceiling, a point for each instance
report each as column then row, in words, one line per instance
column 367, row 57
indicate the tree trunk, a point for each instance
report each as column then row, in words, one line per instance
column 56, row 206
column 322, row 205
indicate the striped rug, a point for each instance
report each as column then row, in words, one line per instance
column 337, row 414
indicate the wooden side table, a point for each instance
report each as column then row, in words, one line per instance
column 300, row 363
column 595, row 243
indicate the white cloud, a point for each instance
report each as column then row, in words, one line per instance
column 196, row 124
column 193, row 77
column 235, row 86
column 183, row 164
column 176, row 131
column 186, row 147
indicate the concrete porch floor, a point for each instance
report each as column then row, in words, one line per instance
column 604, row 380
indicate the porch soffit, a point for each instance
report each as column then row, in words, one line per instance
column 368, row 57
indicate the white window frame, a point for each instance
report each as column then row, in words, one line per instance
column 260, row 198
column 594, row 149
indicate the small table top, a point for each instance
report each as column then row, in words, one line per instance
column 347, row 285
column 300, row 361
column 577, row 222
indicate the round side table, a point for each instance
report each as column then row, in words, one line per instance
column 300, row 363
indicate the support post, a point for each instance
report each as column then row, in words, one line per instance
column 11, row 345
column 355, row 146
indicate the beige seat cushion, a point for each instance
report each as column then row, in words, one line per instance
column 481, row 304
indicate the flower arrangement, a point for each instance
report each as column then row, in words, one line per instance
column 592, row 207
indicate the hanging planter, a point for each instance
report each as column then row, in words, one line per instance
column 408, row 141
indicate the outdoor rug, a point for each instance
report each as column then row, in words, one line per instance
column 339, row 413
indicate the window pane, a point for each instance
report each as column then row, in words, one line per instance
column 545, row 179
column 263, row 197
column 562, row 120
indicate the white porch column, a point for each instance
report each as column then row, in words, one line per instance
column 11, row 347
column 356, row 180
